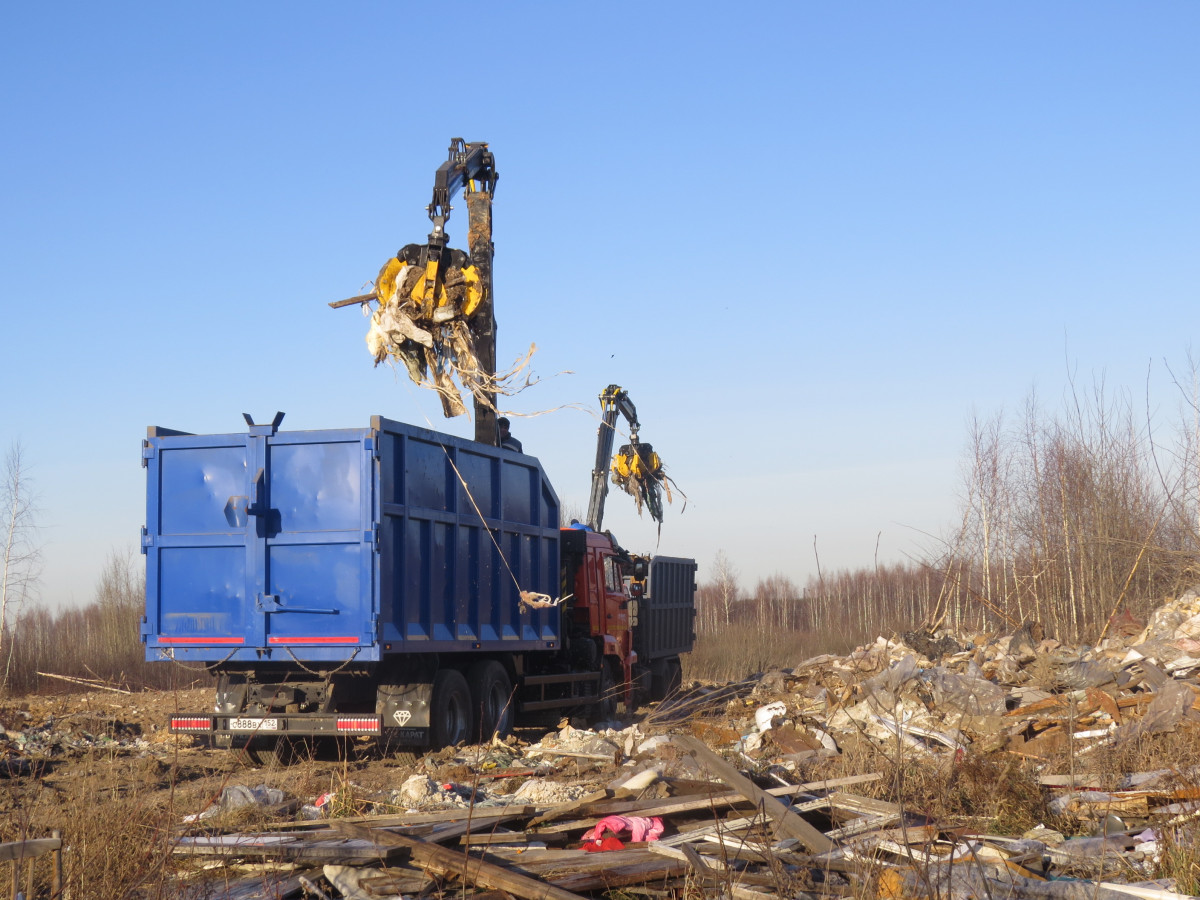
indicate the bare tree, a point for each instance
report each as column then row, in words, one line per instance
column 20, row 567
column 725, row 578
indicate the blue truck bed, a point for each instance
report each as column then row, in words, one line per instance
column 344, row 544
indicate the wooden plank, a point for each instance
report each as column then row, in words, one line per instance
column 403, row 879
column 289, row 848
column 555, row 863
column 264, row 885
column 353, row 301
column 450, row 830
column 863, row 805
column 696, row 834
column 689, row 802
column 665, row 808
column 566, row 809
column 787, row 822
column 473, row 870
column 862, row 825
column 697, row 862
column 617, row 875
column 903, row 834
column 408, row 820
column 29, row 849
column 721, row 875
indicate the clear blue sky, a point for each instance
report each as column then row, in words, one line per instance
column 812, row 240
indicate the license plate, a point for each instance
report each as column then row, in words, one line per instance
column 253, row 724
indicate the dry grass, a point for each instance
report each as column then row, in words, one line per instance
column 737, row 651
column 1181, row 859
column 115, row 825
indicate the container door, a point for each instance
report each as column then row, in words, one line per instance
column 195, row 545
column 315, row 571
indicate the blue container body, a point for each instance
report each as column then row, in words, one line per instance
column 344, row 544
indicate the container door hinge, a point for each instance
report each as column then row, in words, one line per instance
column 371, row 446
column 372, row 537
column 145, row 630
column 148, row 453
column 147, row 540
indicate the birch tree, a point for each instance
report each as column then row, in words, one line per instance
column 725, row 577
column 19, row 568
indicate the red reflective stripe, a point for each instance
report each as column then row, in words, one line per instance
column 313, row 640
column 201, row 640
column 344, row 724
column 204, row 723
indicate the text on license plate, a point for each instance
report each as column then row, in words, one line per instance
column 254, row 724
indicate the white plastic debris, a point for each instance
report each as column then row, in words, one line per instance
column 765, row 716
column 235, row 796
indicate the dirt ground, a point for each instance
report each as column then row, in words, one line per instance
column 110, row 756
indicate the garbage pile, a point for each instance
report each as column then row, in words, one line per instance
column 747, row 790
column 28, row 745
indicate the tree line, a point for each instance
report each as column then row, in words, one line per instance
column 1067, row 517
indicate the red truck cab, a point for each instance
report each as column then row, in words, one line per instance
column 596, row 569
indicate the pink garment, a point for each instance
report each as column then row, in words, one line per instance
column 639, row 827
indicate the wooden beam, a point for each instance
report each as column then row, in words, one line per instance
column 786, row 821
column 351, row 301
column 691, row 803
column 471, row 869
column 29, row 849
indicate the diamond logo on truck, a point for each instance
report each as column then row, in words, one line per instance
column 402, row 716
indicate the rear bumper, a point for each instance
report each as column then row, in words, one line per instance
column 283, row 724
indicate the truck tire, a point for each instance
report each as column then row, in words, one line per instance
column 283, row 751
column 450, row 710
column 276, row 754
column 491, row 698
column 666, row 678
column 674, row 676
column 246, row 756
column 605, row 709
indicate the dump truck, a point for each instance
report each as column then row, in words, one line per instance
column 393, row 583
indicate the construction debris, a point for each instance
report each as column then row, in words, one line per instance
column 638, row 471
column 423, row 322
column 797, row 783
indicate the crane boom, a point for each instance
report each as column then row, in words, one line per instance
column 471, row 166
column 613, row 400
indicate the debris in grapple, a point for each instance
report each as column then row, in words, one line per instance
column 422, row 322
column 637, row 470
column 434, row 312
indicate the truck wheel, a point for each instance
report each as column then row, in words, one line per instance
column 667, row 678
column 286, row 751
column 491, row 698
column 277, row 754
column 606, row 709
column 674, row 676
column 246, row 756
column 450, row 711
column 658, row 680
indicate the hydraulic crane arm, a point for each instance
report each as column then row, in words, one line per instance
column 436, row 312
column 470, row 166
column 468, row 163
column 613, row 400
